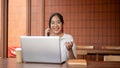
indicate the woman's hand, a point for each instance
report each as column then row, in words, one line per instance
column 47, row 32
column 69, row 45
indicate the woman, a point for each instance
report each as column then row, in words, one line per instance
column 56, row 29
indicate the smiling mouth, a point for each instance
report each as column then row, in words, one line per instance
column 56, row 29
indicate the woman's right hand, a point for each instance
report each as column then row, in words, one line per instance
column 47, row 31
column 69, row 45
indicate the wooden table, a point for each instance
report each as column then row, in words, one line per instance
column 11, row 63
column 98, row 52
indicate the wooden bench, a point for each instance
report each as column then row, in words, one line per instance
column 83, row 52
column 112, row 58
column 106, row 50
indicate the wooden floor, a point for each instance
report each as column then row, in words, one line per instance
column 11, row 63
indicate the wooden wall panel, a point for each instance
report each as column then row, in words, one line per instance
column 4, row 28
column 0, row 30
column 37, row 17
column 16, row 22
column 91, row 22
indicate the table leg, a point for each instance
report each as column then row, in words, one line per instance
column 97, row 57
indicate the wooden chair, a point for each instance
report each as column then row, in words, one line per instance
column 85, row 47
column 112, row 58
column 83, row 52
column 111, row 47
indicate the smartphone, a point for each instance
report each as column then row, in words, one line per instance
column 48, row 33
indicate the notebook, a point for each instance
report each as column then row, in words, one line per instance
column 44, row 49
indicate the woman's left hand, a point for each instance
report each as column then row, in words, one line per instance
column 69, row 45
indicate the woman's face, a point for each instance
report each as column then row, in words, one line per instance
column 56, row 25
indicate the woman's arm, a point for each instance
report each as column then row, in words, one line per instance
column 71, row 54
column 69, row 46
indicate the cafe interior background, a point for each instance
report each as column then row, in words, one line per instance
column 90, row 22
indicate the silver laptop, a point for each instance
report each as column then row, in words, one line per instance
column 41, row 49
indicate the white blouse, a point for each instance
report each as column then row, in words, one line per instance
column 66, row 38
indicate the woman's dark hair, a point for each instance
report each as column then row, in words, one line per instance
column 59, row 16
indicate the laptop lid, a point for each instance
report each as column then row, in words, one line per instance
column 41, row 49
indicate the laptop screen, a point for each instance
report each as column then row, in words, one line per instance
column 41, row 49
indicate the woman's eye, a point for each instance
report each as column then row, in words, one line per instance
column 52, row 22
column 58, row 22
column 55, row 22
